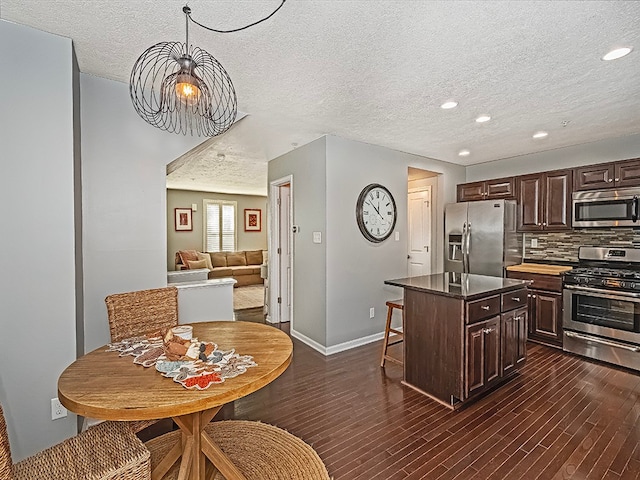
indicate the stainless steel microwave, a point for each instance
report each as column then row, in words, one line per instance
column 606, row 208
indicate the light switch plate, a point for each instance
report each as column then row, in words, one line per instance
column 397, row 236
column 317, row 237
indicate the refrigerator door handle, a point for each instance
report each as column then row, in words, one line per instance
column 468, row 238
column 463, row 249
column 467, row 268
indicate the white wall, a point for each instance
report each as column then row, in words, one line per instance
column 124, row 199
column 568, row 157
column 37, row 298
column 357, row 268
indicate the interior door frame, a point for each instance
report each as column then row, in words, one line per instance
column 274, row 265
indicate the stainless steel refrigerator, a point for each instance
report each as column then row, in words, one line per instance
column 480, row 237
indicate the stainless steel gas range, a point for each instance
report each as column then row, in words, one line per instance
column 601, row 318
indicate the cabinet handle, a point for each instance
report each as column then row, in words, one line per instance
column 610, row 180
column 528, row 295
column 487, row 331
column 485, row 307
column 519, row 317
column 544, row 224
column 617, row 179
column 533, row 296
column 515, row 299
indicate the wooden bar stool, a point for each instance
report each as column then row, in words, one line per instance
column 391, row 304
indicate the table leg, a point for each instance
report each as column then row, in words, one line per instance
column 195, row 445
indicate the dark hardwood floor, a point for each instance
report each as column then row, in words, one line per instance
column 562, row 417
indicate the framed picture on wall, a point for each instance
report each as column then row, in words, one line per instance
column 252, row 220
column 183, row 220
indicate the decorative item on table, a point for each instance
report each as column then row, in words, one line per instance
column 189, row 362
column 183, row 331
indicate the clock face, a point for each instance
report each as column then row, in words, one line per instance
column 376, row 213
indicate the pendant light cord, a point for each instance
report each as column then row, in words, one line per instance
column 187, row 11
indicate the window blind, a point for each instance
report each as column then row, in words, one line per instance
column 220, row 226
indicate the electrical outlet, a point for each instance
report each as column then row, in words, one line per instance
column 371, row 312
column 57, row 410
column 534, row 243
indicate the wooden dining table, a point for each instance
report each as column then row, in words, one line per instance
column 104, row 385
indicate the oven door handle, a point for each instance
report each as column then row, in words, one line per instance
column 602, row 341
column 634, row 209
column 625, row 296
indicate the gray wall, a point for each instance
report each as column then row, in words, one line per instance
column 336, row 282
column 356, row 268
column 37, row 298
column 596, row 152
column 193, row 240
column 308, row 167
column 124, row 199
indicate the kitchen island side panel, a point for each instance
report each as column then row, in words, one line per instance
column 434, row 344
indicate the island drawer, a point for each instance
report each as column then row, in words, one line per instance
column 483, row 308
column 515, row 299
column 539, row 281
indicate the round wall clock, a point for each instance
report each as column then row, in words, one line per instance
column 376, row 213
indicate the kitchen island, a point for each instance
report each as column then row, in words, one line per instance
column 464, row 334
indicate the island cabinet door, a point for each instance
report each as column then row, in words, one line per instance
column 482, row 360
column 514, row 339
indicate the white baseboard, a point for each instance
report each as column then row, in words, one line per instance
column 308, row 341
column 341, row 347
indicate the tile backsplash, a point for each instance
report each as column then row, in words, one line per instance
column 564, row 245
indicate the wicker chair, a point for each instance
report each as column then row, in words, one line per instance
column 107, row 451
column 144, row 311
column 136, row 313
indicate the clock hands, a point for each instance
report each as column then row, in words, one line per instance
column 377, row 211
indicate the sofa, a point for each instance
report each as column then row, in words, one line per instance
column 243, row 266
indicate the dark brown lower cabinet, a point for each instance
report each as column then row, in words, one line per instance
column 544, row 299
column 483, row 355
column 514, row 339
column 454, row 348
column 546, row 317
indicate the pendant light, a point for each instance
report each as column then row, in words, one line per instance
column 183, row 89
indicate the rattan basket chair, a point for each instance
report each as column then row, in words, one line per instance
column 107, row 451
column 136, row 313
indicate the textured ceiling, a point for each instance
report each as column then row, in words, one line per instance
column 377, row 71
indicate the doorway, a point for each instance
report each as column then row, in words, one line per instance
column 422, row 188
column 281, row 251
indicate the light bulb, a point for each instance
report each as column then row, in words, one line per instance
column 187, row 89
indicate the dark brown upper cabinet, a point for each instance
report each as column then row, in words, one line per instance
column 608, row 175
column 544, row 201
column 487, row 190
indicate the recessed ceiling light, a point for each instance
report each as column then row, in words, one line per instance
column 540, row 134
column 617, row 53
column 449, row 104
column 483, row 118
column 464, row 153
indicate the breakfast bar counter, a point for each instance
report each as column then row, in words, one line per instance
column 464, row 334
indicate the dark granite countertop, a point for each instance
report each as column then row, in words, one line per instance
column 465, row 286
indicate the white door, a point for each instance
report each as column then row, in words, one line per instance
column 420, row 233
column 284, row 255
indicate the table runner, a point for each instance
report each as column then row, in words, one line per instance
column 201, row 366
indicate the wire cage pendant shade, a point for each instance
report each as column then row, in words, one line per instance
column 183, row 89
